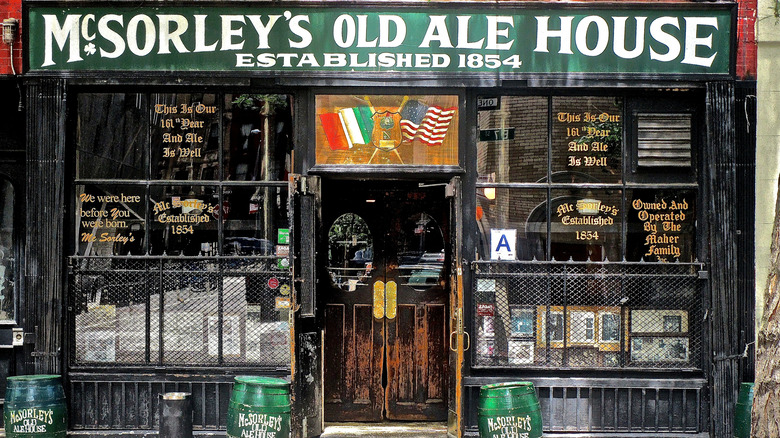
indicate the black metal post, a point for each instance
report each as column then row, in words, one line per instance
column 175, row 415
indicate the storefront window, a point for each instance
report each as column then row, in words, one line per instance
column 7, row 252
column 183, row 220
column 586, row 225
column 252, row 218
column 582, row 265
column 587, row 139
column 111, row 136
column 387, row 129
column 661, row 225
column 513, row 135
column 184, row 260
column 111, row 219
column 512, row 214
column 185, row 136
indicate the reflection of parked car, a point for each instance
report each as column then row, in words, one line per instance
column 432, row 257
column 422, row 270
column 247, row 246
column 428, row 277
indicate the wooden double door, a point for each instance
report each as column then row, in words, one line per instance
column 386, row 287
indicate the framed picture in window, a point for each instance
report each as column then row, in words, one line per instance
column 549, row 319
column 183, row 331
column 659, row 321
column 648, row 349
column 582, row 327
column 521, row 321
column 231, row 335
column 672, row 323
column 610, row 359
column 486, row 349
column 520, row 352
column 609, row 326
column 100, row 346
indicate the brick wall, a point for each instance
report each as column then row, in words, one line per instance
column 746, row 39
column 11, row 9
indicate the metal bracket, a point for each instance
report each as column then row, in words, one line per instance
column 449, row 190
column 44, row 354
column 306, row 185
column 17, row 337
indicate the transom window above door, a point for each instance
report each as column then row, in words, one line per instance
column 387, row 129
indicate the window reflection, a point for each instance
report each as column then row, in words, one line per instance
column 185, row 136
column 7, row 259
column 110, row 219
column 184, row 220
column 253, row 217
column 350, row 251
column 512, row 143
column 521, row 210
column 111, row 136
column 421, row 252
column 258, row 137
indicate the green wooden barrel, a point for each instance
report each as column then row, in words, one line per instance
column 742, row 411
column 509, row 409
column 259, row 408
column 35, row 407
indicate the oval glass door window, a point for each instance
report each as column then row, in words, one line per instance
column 350, row 252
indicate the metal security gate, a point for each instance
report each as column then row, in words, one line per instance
column 194, row 315
column 555, row 315
column 611, row 347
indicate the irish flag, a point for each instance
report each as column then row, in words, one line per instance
column 347, row 127
column 428, row 123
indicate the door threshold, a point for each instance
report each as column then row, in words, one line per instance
column 394, row 429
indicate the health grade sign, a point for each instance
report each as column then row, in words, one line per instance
column 638, row 41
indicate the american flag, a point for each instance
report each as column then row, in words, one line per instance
column 428, row 123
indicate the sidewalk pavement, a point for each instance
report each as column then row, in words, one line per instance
column 387, row 429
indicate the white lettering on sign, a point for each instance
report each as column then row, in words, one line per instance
column 284, row 40
column 31, row 420
column 259, row 425
column 510, row 426
column 694, row 28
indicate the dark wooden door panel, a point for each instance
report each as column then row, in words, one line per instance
column 416, row 363
column 334, row 351
column 410, row 346
column 364, row 358
column 436, row 322
column 353, row 363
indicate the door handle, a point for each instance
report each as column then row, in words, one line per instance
column 391, row 299
column 458, row 330
column 379, row 299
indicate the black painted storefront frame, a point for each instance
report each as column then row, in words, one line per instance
column 48, row 178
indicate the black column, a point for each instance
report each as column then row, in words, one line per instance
column 720, row 180
column 43, row 263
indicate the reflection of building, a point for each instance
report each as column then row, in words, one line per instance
column 322, row 209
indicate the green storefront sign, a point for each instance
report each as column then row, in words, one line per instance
column 257, row 39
